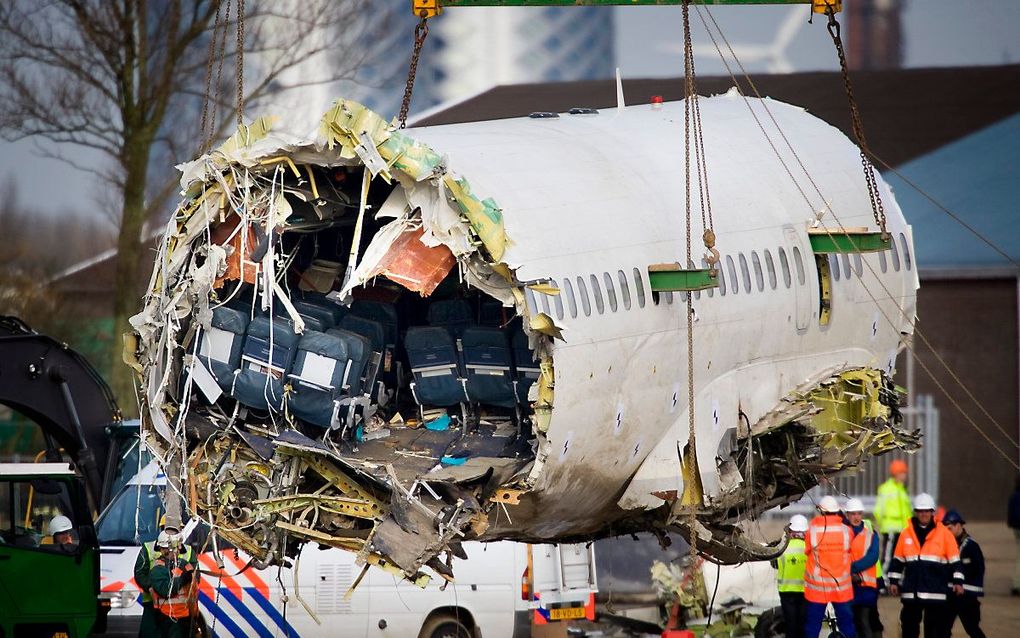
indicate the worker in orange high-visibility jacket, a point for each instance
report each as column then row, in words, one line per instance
column 925, row 568
column 827, row 570
column 174, row 584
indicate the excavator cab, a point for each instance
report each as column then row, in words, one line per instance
column 49, row 554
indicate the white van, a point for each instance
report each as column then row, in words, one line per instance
column 495, row 594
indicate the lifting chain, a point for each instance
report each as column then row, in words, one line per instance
column 208, row 127
column 240, row 63
column 858, row 126
column 691, row 461
column 421, row 31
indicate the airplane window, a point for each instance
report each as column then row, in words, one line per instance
column 582, row 292
column 610, row 290
column 784, row 263
column 834, row 266
column 669, row 297
column 558, row 300
column 624, row 289
column 571, row 301
column 529, row 295
column 639, row 288
column 745, row 273
column 734, row 286
column 895, row 256
column 858, row 264
column 882, row 261
column 759, row 279
column 846, row 266
column 770, row 266
column 799, row 262
column 596, row 291
column 545, row 304
column 721, row 279
column 906, row 251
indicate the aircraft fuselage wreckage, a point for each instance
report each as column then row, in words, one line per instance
column 394, row 341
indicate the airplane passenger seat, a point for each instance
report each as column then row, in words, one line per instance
column 219, row 347
column 269, row 349
column 319, row 377
column 434, row 364
column 452, row 314
column 526, row 369
column 487, row 366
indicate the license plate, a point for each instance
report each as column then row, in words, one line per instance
column 566, row 613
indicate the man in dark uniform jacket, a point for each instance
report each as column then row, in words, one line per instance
column 967, row 605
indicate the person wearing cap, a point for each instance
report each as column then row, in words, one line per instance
column 173, row 584
column 966, row 606
column 827, row 570
column 143, row 566
column 864, row 570
column 790, row 577
column 925, row 567
column 62, row 530
column 892, row 510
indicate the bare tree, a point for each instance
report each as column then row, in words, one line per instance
column 130, row 79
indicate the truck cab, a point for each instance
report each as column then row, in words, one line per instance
column 40, row 574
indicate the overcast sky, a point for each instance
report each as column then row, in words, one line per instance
column 936, row 33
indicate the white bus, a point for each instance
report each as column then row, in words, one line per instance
column 494, row 595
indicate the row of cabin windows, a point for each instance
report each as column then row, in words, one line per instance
column 606, row 292
column 763, row 269
column 616, row 292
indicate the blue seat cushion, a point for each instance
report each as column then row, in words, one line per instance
column 487, row 366
column 434, row 364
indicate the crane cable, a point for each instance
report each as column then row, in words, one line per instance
column 421, row 31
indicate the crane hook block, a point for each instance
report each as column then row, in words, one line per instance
column 427, row 8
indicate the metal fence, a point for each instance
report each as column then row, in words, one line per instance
column 923, row 464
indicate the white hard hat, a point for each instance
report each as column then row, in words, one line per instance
column 163, row 540
column 829, row 504
column 853, row 505
column 60, row 524
column 924, row 502
column 798, row 523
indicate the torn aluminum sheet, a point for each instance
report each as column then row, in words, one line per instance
column 539, row 415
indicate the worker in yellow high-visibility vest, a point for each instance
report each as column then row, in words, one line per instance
column 790, row 577
column 892, row 510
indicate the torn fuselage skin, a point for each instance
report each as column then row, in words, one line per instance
column 305, row 304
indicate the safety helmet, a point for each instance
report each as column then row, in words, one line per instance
column 924, row 502
column 952, row 516
column 898, row 466
column 798, row 523
column 853, row 505
column 163, row 540
column 60, row 524
column 829, row 505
